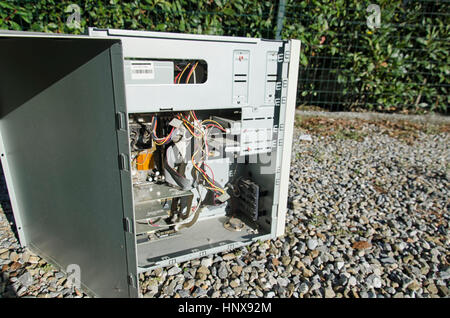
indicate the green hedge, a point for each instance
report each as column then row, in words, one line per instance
column 237, row 17
column 403, row 65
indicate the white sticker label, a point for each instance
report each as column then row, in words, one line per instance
column 142, row 70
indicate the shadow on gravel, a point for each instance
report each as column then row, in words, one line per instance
column 5, row 203
column 7, row 289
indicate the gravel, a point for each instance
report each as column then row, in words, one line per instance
column 312, row 244
column 368, row 218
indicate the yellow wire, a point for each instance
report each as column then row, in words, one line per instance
column 209, row 188
column 206, row 177
column 179, row 79
column 193, row 70
column 162, row 142
column 213, row 121
column 186, row 124
column 159, row 144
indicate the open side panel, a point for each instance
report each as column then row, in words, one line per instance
column 61, row 150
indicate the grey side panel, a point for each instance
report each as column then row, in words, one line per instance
column 58, row 128
column 125, row 173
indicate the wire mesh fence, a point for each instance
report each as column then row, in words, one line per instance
column 390, row 56
column 401, row 64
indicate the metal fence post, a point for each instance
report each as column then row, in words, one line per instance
column 280, row 18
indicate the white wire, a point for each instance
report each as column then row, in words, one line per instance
column 195, row 76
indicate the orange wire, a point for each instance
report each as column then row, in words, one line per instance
column 192, row 71
column 181, row 75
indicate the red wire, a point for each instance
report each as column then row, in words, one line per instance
column 154, row 131
column 170, row 134
column 214, row 125
column 192, row 69
column 215, row 196
column 209, row 170
column 192, row 125
column 207, row 174
column 175, row 80
column 201, row 170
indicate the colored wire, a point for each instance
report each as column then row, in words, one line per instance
column 181, row 75
column 214, row 122
column 190, row 73
column 203, row 134
column 166, row 139
column 187, row 122
column 192, row 112
column 214, row 125
column 176, row 77
column 149, row 222
column 205, row 175
column 215, row 188
column 212, row 172
column 192, row 133
column 159, row 141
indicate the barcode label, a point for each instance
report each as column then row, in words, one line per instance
column 140, row 70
